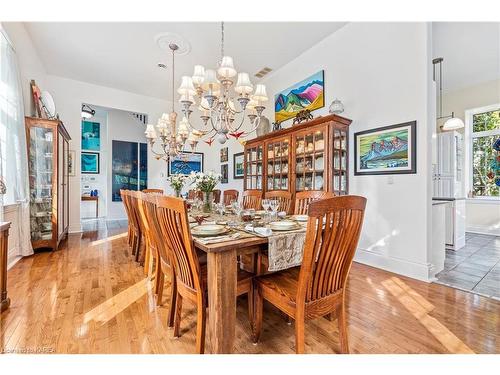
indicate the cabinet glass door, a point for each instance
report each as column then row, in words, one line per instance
column 278, row 152
column 339, row 162
column 253, row 167
column 310, row 159
column 41, row 168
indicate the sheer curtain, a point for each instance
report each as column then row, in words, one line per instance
column 13, row 152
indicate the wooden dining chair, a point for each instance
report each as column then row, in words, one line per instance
column 124, row 197
column 191, row 276
column 317, row 287
column 304, row 198
column 230, row 195
column 153, row 191
column 252, row 199
column 140, row 244
column 216, row 194
column 283, row 197
column 150, row 251
column 163, row 261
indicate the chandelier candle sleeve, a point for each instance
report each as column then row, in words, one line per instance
column 198, row 75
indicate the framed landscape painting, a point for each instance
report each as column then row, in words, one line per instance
column 387, row 150
column 238, row 171
column 306, row 94
column 224, row 173
column 185, row 163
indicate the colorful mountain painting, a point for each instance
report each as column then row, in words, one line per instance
column 307, row 94
column 384, row 150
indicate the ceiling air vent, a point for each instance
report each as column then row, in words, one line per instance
column 261, row 73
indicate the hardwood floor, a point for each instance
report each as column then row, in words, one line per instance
column 91, row 297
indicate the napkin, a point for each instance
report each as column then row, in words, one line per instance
column 209, row 240
column 266, row 232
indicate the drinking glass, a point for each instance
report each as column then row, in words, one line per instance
column 266, row 204
column 275, row 204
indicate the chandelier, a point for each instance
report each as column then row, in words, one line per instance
column 172, row 140
column 220, row 116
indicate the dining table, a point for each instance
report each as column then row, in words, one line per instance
column 222, row 263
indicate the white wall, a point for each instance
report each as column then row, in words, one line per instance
column 69, row 96
column 381, row 72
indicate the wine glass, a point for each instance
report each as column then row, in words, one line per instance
column 275, row 205
column 266, row 205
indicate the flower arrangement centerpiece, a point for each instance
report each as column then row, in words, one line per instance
column 177, row 182
column 206, row 183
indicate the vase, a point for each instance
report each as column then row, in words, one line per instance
column 177, row 192
column 207, row 201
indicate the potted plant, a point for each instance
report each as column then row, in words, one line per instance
column 177, row 182
column 206, row 183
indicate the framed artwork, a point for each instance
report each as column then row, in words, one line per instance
column 238, row 166
column 91, row 136
column 306, row 94
column 387, row 150
column 90, row 162
column 71, row 163
column 224, row 173
column 224, row 154
column 129, row 167
column 185, row 163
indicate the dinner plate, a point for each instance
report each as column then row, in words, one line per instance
column 209, row 230
column 299, row 217
column 284, row 225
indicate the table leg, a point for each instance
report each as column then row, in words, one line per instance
column 222, row 278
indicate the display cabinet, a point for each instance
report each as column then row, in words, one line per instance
column 254, row 161
column 48, row 153
column 311, row 156
column 278, row 162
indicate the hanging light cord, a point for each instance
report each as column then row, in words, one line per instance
column 173, row 78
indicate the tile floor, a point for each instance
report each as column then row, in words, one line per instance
column 91, row 225
column 475, row 267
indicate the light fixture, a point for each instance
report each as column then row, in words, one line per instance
column 453, row 122
column 87, row 112
column 218, row 111
column 336, row 107
column 172, row 140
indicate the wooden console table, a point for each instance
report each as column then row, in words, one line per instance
column 4, row 236
column 93, row 198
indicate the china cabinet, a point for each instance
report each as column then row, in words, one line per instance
column 311, row 156
column 48, row 152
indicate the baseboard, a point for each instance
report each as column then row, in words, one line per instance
column 483, row 230
column 75, row 228
column 402, row 267
column 12, row 262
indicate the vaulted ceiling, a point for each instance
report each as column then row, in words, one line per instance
column 125, row 55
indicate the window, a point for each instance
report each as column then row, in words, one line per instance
column 485, row 163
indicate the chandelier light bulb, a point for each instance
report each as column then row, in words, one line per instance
column 260, row 94
column 210, row 81
column 186, row 88
column 243, row 85
column 226, row 69
column 198, row 75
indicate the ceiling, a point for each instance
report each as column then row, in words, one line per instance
column 471, row 52
column 125, row 55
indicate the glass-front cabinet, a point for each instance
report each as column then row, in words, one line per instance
column 278, row 162
column 340, row 161
column 311, row 159
column 310, row 156
column 254, row 161
column 47, row 142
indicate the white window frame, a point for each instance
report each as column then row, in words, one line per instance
column 469, row 136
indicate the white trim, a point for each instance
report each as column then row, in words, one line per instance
column 469, row 113
column 483, row 200
column 482, row 230
column 403, row 267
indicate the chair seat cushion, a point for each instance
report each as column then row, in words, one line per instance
column 283, row 283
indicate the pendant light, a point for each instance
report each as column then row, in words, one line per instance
column 453, row 122
column 87, row 112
